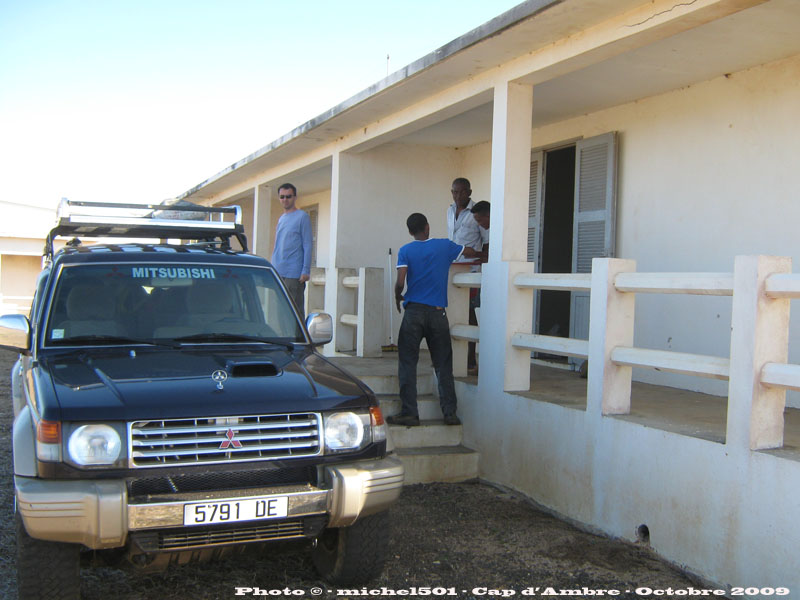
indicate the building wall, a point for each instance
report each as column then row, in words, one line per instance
column 18, row 281
column 386, row 185
column 705, row 173
column 323, row 201
column 727, row 514
column 476, row 166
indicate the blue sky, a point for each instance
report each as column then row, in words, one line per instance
column 139, row 101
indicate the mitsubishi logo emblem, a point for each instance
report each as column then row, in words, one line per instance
column 220, row 377
column 230, row 441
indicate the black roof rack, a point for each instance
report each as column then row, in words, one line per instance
column 182, row 220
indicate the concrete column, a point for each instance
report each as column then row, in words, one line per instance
column 510, row 175
column 611, row 317
column 335, row 303
column 369, row 332
column 355, row 208
column 505, row 310
column 261, row 238
column 759, row 335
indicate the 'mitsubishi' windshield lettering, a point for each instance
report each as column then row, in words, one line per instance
column 172, row 273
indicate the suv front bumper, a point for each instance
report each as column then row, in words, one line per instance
column 99, row 514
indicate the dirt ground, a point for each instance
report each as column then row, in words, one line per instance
column 464, row 541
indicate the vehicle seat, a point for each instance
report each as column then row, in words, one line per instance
column 90, row 312
column 211, row 307
column 163, row 309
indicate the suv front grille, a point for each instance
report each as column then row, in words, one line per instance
column 224, row 439
column 189, row 538
column 225, row 480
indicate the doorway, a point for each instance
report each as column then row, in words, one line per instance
column 571, row 221
column 556, row 248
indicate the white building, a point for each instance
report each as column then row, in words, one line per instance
column 665, row 134
column 22, row 234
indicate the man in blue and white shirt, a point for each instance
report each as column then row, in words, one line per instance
column 291, row 256
column 422, row 270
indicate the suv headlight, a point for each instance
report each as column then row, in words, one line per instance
column 346, row 431
column 94, row 445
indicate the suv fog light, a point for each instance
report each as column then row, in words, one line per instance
column 94, row 445
column 344, row 431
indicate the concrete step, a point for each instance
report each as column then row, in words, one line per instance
column 427, row 434
column 380, row 374
column 383, row 383
column 438, row 464
column 431, row 451
column 427, row 405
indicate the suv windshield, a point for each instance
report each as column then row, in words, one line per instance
column 157, row 303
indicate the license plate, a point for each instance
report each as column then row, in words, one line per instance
column 232, row 511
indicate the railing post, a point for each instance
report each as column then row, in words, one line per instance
column 759, row 335
column 505, row 311
column 611, row 318
column 344, row 335
column 369, row 332
column 340, row 300
column 458, row 314
column 315, row 291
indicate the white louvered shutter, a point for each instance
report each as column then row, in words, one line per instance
column 313, row 215
column 595, row 217
column 535, row 208
column 535, row 213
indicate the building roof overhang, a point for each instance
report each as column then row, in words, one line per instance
column 581, row 56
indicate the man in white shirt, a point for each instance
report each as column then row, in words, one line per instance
column 461, row 225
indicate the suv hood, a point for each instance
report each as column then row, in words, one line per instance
column 123, row 385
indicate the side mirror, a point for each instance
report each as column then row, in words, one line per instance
column 15, row 333
column 320, row 328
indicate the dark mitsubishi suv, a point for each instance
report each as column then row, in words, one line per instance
column 168, row 400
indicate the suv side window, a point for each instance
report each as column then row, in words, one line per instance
column 38, row 299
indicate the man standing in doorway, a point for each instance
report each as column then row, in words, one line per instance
column 291, row 256
column 464, row 230
column 461, row 225
column 422, row 270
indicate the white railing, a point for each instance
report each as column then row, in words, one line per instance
column 459, row 285
column 575, row 282
column 358, row 307
column 781, row 375
column 461, row 330
column 15, row 304
column 757, row 371
column 675, row 362
column 560, row 346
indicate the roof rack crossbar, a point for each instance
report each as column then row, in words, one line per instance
column 182, row 220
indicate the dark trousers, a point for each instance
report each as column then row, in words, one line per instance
column 296, row 289
column 423, row 321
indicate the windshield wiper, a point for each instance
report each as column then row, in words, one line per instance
column 235, row 337
column 116, row 339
